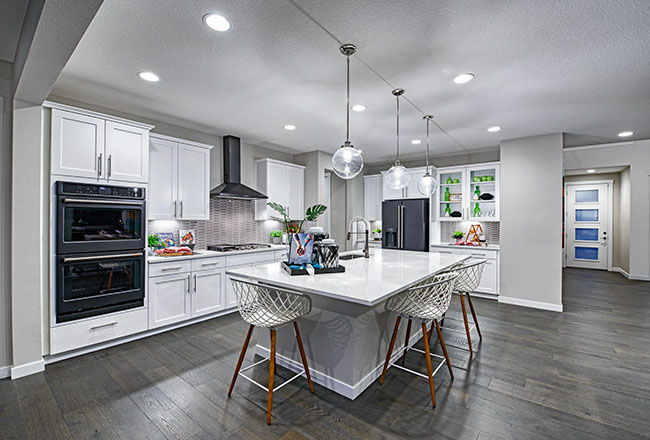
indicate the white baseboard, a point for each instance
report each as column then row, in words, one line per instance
column 329, row 382
column 628, row 276
column 531, row 304
column 5, row 371
column 27, row 369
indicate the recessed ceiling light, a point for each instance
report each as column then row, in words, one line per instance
column 494, row 129
column 625, row 134
column 591, row 171
column 149, row 76
column 463, row 78
column 358, row 107
column 416, row 141
column 289, row 127
column 217, row 22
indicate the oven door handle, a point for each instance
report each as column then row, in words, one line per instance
column 100, row 257
column 103, row 202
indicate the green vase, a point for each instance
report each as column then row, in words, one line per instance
column 477, row 210
column 477, row 193
column 447, row 195
column 447, row 211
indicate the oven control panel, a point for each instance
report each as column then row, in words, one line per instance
column 69, row 188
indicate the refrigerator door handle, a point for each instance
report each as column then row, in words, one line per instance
column 399, row 227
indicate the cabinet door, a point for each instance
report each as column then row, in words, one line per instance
column 207, row 293
column 193, row 182
column 489, row 278
column 488, row 209
column 390, row 193
column 446, row 179
column 169, row 299
column 231, row 300
column 411, row 191
column 372, row 197
column 163, row 180
column 295, row 191
column 77, row 145
column 127, row 153
column 276, row 185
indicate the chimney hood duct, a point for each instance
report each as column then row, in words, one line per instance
column 231, row 188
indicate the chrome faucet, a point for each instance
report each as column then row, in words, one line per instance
column 366, row 248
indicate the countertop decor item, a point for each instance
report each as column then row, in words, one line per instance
column 186, row 236
column 458, row 235
column 456, row 214
column 276, row 236
column 293, row 269
column 312, row 213
column 456, row 197
column 173, row 251
column 166, row 239
column 427, row 184
column 486, row 196
column 347, row 162
column 152, row 242
column 398, row 176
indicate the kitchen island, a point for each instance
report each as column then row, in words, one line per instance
column 346, row 335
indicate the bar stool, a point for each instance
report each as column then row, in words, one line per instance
column 426, row 302
column 469, row 278
column 269, row 307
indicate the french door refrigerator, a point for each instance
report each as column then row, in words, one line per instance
column 405, row 224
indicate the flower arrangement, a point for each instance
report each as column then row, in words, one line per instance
column 312, row 213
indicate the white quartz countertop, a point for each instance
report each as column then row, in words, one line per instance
column 211, row 254
column 366, row 281
column 494, row 247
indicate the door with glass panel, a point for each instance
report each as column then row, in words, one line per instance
column 588, row 229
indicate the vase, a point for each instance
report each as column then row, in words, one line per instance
column 276, row 240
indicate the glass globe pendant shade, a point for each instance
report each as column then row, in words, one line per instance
column 398, row 176
column 347, row 162
column 427, row 185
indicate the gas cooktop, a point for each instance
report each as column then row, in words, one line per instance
column 237, row 247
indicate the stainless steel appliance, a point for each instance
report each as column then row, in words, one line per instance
column 237, row 247
column 232, row 188
column 100, row 263
column 405, row 224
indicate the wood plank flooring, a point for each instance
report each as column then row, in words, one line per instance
column 581, row 374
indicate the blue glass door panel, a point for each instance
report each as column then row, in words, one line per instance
column 586, row 215
column 586, row 196
column 586, row 234
column 586, row 253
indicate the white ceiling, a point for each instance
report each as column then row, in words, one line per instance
column 12, row 14
column 580, row 66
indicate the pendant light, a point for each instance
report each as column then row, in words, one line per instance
column 347, row 162
column 398, row 177
column 427, row 183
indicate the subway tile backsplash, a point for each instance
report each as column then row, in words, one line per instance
column 231, row 221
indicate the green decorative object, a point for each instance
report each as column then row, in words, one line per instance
column 477, row 210
column 456, row 181
column 275, row 234
column 483, row 178
column 312, row 213
column 447, row 195
column 449, row 181
column 447, row 211
column 477, row 193
column 153, row 240
column 476, row 179
column 490, row 178
column 458, row 235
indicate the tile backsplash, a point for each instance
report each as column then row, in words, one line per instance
column 490, row 229
column 231, row 221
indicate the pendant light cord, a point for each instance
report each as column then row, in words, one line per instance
column 427, row 144
column 397, row 127
column 347, row 130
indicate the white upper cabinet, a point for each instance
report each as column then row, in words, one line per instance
column 87, row 144
column 77, row 144
column 179, row 179
column 390, row 193
column 127, row 152
column 469, row 193
column 193, row 182
column 373, row 195
column 283, row 183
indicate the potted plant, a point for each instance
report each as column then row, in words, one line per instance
column 377, row 233
column 458, row 235
column 312, row 213
column 276, row 236
column 153, row 241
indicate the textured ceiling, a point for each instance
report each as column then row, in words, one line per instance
column 12, row 13
column 581, row 67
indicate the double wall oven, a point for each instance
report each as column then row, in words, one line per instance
column 100, row 262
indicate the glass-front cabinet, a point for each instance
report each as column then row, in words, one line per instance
column 469, row 193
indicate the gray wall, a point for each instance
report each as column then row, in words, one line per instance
column 636, row 155
column 531, row 227
column 5, row 215
column 620, row 232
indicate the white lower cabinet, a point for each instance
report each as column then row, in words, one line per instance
column 490, row 277
column 207, row 293
column 169, row 299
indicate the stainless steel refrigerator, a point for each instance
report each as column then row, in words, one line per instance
column 405, row 224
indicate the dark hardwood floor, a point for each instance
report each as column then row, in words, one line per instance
column 581, row 374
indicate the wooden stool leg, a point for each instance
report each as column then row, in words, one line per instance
column 427, row 353
column 471, row 307
column 469, row 338
column 430, row 333
column 390, row 350
column 444, row 348
column 271, row 375
column 302, row 355
column 241, row 359
column 406, row 341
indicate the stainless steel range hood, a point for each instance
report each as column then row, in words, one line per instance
column 232, row 188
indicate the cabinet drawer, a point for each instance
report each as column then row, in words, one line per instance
column 447, row 251
column 476, row 253
column 93, row 331
column 208, row 263
column 246, row 259
column 171, row 268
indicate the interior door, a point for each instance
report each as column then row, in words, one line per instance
column 587, row 225
column 127, row 152
column 415, row 225
column 162, row 196
column 193, row 182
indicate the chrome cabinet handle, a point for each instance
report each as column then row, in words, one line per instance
column 103, row 202
column 189, row 283
column 99, row 165
column 194, row 283
column 165, row 269
column 209, row 264
column 181, row 209
column 110, row 156
column 175, row 209
column 101, row 257
column 110, row 324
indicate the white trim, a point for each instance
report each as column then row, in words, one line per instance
column 591, row 147
column 329, row 382
column 83, row 111
column 621, row 271
column 179, row 140
column 280, row 162
column 5, row 371
column 532, row 304
column 27, row 369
